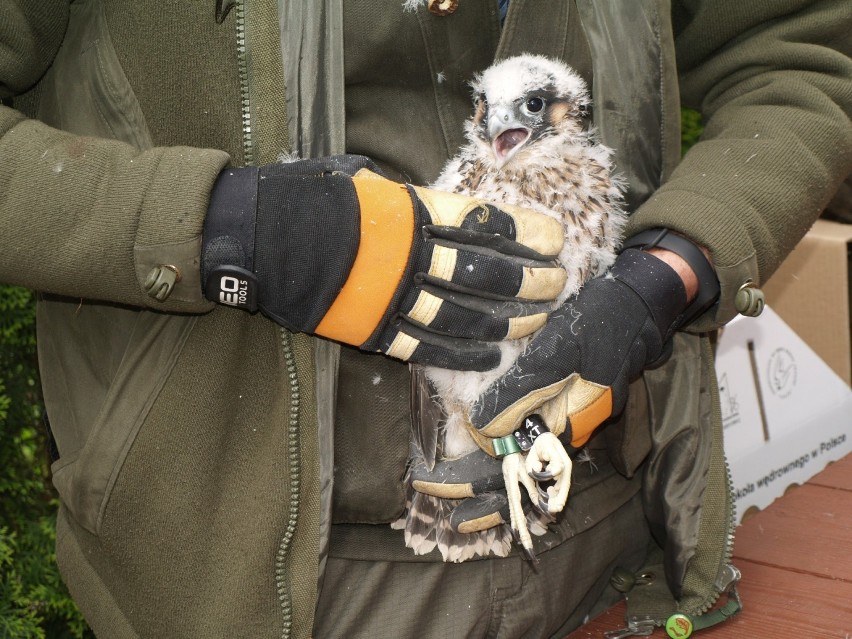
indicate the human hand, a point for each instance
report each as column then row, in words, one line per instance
column 490, row 490
column 331, row 247
column 575, row 373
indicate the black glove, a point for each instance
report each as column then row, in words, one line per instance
column 330, row 247
column 575, row 373
column 479, row 480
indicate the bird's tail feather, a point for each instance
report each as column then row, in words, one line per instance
column 426, row 522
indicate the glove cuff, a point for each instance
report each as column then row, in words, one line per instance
column 656, row 284
column 227, row 245
column 708, row 282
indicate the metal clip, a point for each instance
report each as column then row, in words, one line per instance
column 728, row 578
column 643, row 628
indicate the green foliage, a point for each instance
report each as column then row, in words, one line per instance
column 691, row 128
column 34, row 602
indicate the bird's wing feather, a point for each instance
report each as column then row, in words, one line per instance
column 426, row 416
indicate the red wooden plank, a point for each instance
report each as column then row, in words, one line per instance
column 809, row 530
column 612, row 619
column 836, row 475
column 797, row 572
column 782, row 604
column 777, row 604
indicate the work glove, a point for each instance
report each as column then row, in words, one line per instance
column 489, row 485
column 576, row 372
column 331, row 247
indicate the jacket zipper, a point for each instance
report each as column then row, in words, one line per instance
column 728, row 575
column 293, row 458
column 294, row 468
column 245, row 96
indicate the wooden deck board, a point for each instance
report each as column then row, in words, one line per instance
column 806, row 531
column 796, row 564
column 836, row 475
column 782, row 604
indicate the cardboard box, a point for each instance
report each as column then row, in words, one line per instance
column 811, row 293
column 785, row 412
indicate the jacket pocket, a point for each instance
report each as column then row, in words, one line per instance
column 679, row 466
column 371, row 438
column 102, row 369
column 85, row 91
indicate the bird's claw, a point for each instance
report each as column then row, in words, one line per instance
column 529, row 555
column 543, row 505
column 547, row 461
column 541, row 508
column 526, row 551
column 542, row 475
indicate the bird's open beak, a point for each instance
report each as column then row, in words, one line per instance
column 506, row 133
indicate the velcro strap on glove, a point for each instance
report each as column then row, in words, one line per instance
column 657, row 285
column 708, row 282
column 229, row 230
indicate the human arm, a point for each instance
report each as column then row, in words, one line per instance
column 84, row 249
column 167, row 260
column 773, row 81
column 85, row 216
column 91, row 218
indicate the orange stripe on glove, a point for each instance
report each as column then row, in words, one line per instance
column 387, row 232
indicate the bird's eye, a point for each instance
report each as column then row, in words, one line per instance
column 534, row 105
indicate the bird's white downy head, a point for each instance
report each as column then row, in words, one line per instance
column 520, row 98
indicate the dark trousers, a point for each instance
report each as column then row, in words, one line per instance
column 499, row 598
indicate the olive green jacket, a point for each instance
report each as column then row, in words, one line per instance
column 189, row 470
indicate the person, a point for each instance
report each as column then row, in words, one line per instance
column 226, row 473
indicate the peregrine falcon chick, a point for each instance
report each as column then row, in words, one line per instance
column 527, row 145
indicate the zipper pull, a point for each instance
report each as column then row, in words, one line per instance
column 728, row 578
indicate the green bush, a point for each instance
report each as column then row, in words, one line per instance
column 33, row 599
column 690, row 128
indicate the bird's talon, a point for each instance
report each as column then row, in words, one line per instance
column 543, row 508
column 529, row 555
column 542, row 475
column 516, row 537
